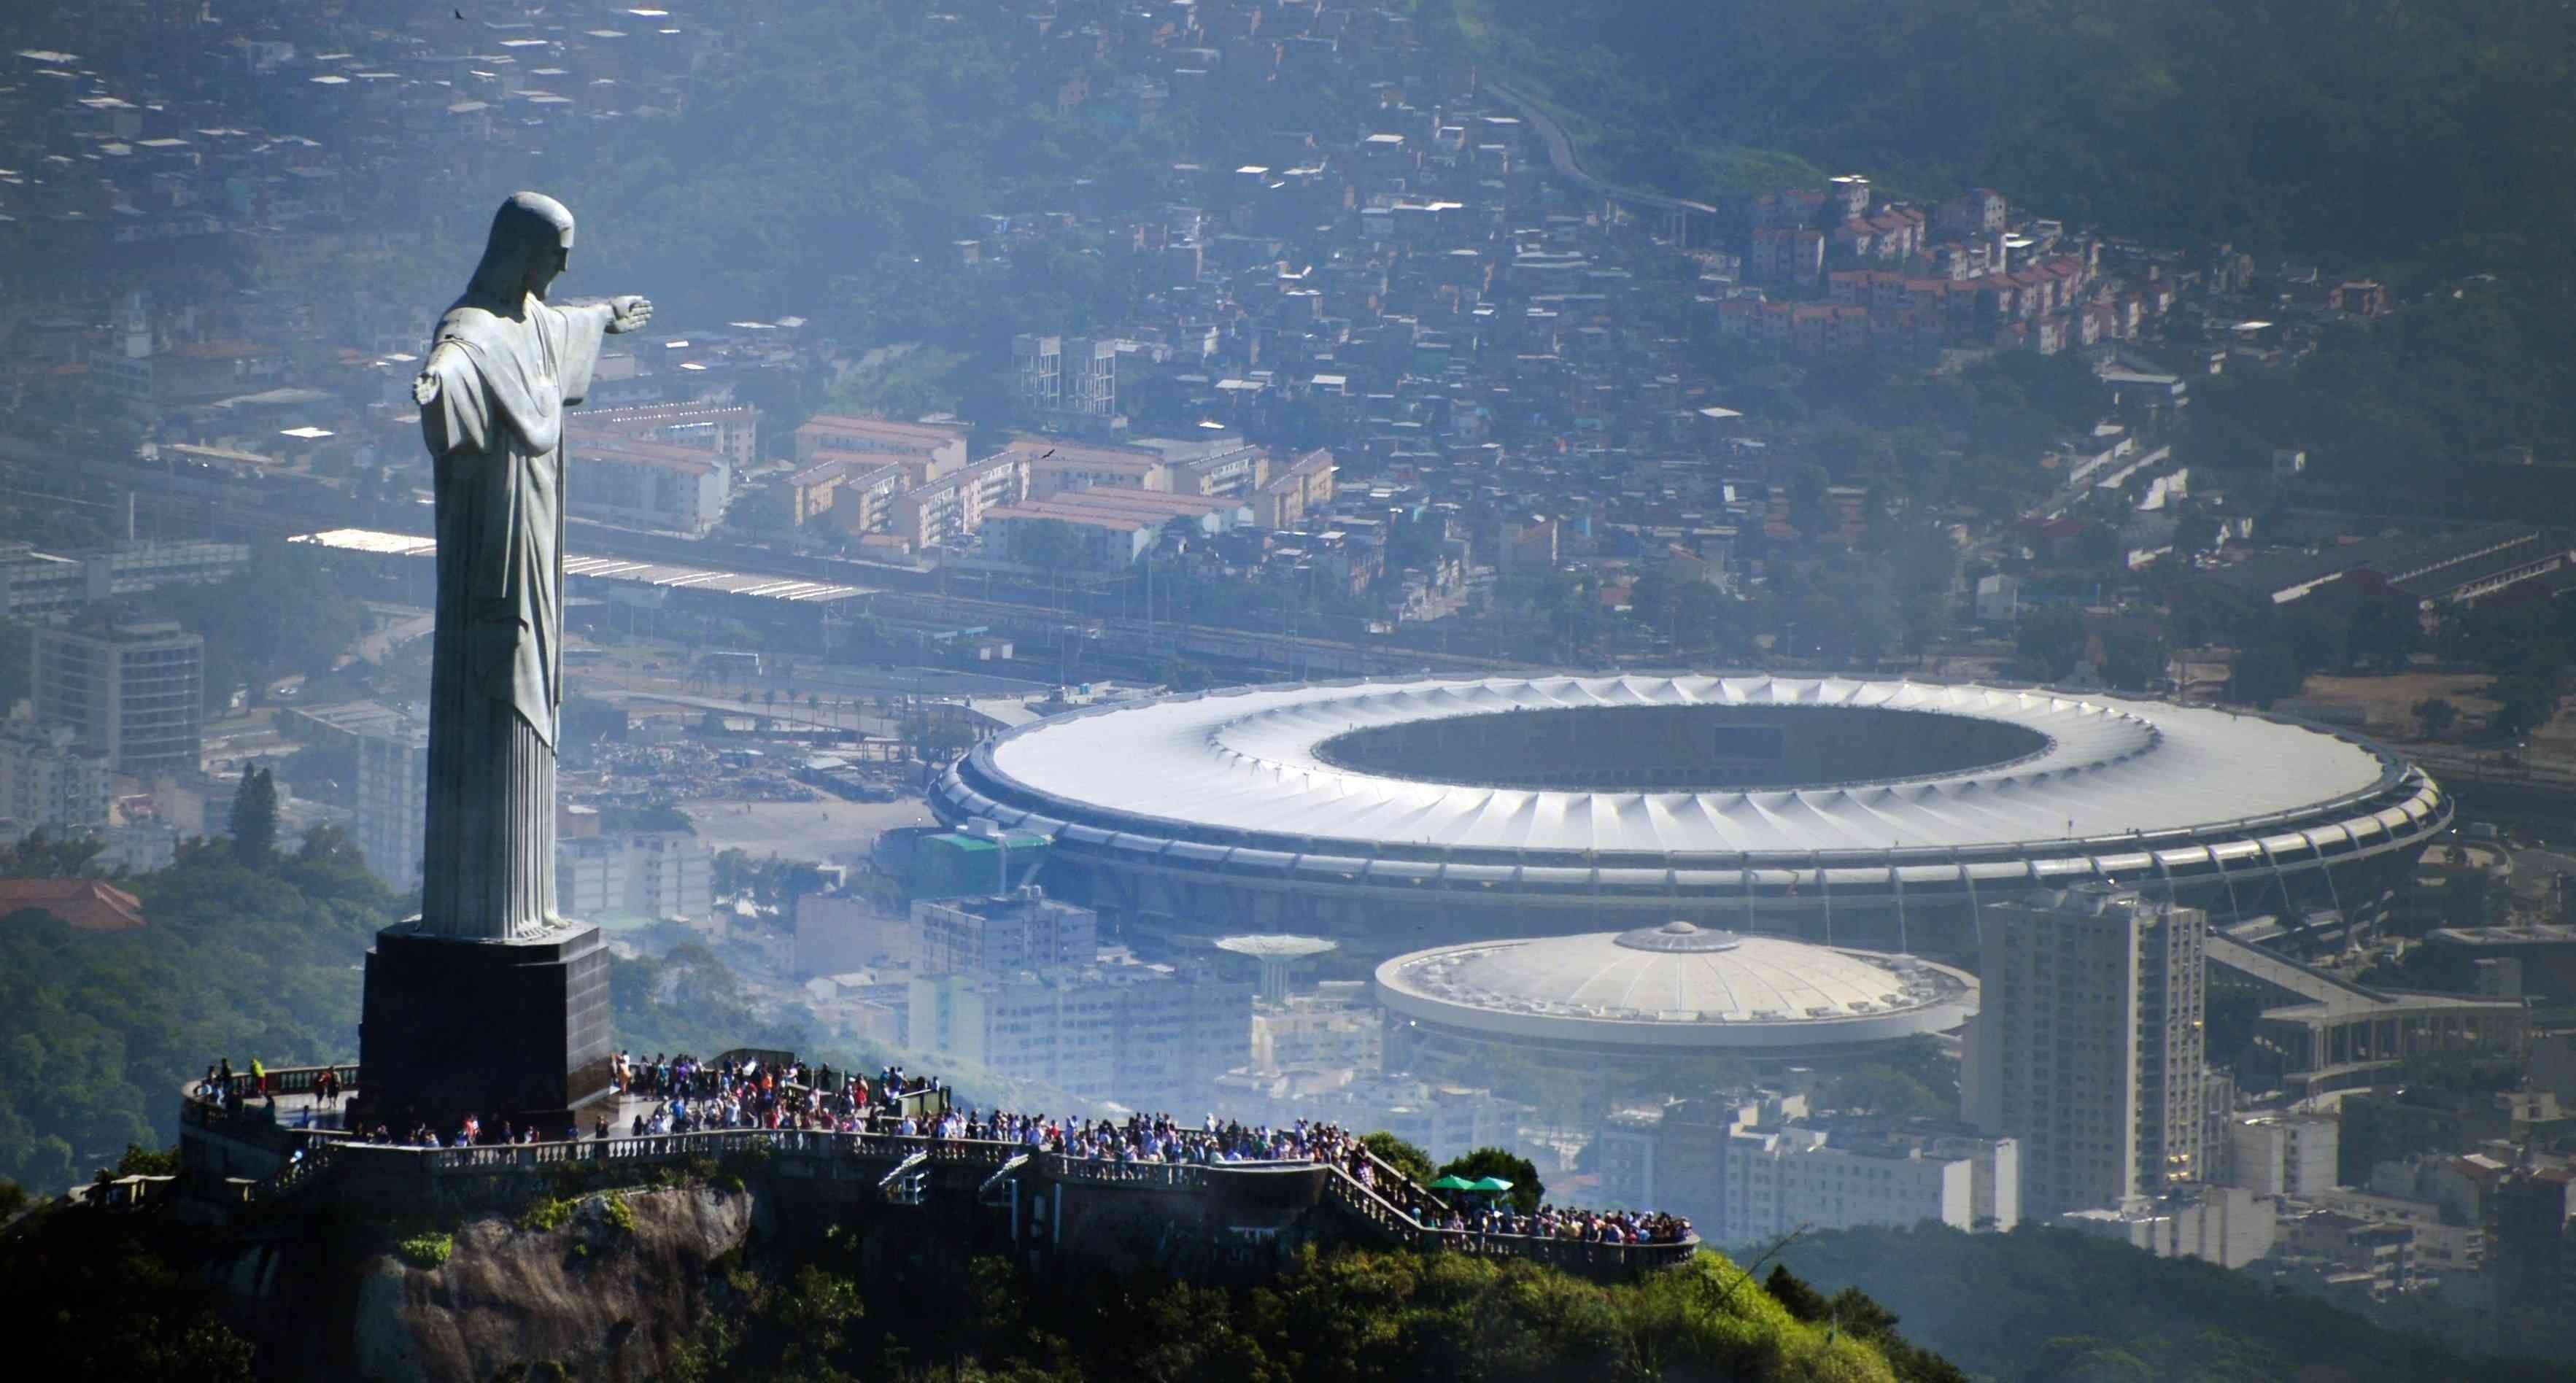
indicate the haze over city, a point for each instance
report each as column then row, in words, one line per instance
column 1255, row 689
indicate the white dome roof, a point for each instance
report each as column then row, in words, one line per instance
column 1677, row 985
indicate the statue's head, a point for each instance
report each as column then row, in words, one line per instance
column 531, row 242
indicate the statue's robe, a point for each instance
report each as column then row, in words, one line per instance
column 495, row 434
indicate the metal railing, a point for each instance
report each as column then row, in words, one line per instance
column 916, row 1152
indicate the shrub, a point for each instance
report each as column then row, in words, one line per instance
column 427, row 1249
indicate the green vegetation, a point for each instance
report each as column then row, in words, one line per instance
column 547, row 1215
column 253, row 823
column 2412, row 141
column 104, row 1298
column 427, row 1249
column 1346, row 1314
column 1402, row 1156
column 2360, row 128
column 1527, row 1190
column 102, row 1031
column 2049, row 1306
column 290, row 614
column 2473, row 368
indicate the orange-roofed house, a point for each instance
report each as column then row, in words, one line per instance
column 86, row 905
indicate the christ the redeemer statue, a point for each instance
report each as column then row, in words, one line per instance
column 502, row 367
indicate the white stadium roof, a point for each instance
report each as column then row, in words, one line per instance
column 1246, row 762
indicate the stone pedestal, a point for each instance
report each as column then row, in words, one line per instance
column 507, row 1030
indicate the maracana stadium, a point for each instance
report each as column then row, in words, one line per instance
column 1855, row 811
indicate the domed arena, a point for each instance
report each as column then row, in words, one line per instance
column 1855, row 811
column 1675, row 990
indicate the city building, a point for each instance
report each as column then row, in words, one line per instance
column 2087, row 1046
column 952, row 507
column 1443, row 1119
column 40, row 583
column 2283, row 1154
column 1077, row 375
column 1304, row 486
column 1335, row 1029
column 2531, row 1259
column 1100, row 530
column 656, row 485
column 49, row 781
column 1025, row 930
column 1673, row 1157
column 1784, row 1177
column 634, row 875
column 393, row 796
column 863, row 495
column 730, row 430
column 2226, row 1225
column 1145, row 1036
column 837, row 933
column 927, row 450
column 135, row 694
column 1060, row 464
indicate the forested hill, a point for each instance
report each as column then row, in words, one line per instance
column 2353, row 130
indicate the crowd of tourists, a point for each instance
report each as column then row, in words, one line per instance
column 1581, row 1226
column 690, row 1095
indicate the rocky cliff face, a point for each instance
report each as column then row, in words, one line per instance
column 607, row 1294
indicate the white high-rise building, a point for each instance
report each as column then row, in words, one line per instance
column 49, row 779
column 393, row 799
column 2283, row 1154
column 2088, row 1046
column 1776, row 1180
column 1142, row 1035
column 1067, row 374
column 668, row 875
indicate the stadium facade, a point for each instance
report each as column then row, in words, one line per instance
column 1854, row 811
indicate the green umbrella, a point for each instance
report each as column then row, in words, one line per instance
column 1494, row 1184
column 1453, row 1182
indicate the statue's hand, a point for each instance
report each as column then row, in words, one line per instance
column 629, row 312
column 424, row 388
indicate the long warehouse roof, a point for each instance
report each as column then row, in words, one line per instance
column 665, row 574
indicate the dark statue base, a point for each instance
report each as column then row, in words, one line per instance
column 511, row 1031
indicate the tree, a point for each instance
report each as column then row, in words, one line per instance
column 1795, row 1296
column 2434, row 715
column 1402, row 1156
column 2050, row 638
column 1479, row 1163
column 253, row 824
column 2265, row 674
column 44, row 855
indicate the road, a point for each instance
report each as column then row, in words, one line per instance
column 1560, row 156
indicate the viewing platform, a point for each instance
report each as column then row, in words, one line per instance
column 248, row 1163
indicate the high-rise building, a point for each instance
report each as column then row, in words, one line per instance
column 1023, row 931
column 48, row 779
column 393, row 798
column 666, row 875
column 1783, row 1177
column 1067, row 374
column 135, row 694
column 2530, row 1262
column 1143, row 1035
column 2088, row 1047
column 2283, row 1154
